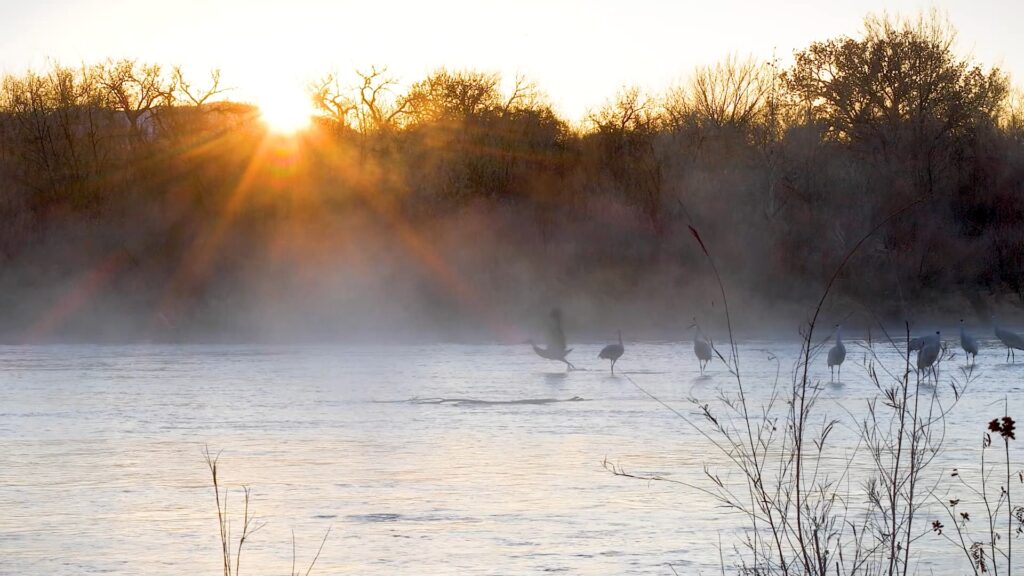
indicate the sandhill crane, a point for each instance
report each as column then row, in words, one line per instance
column 968, row 343
column 1011, row 340
column 837, row 354
column 556, row 346
column 552, row 354
column 701, row 347
column 928, row 354
column 613, row 352
column 915, row 344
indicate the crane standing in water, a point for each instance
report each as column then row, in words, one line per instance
column 613, row 352
column 556, row 345
column 915, row 344
column 701, row 347
column 1010, row 339
column 969, row 344
column 837, row 354
column 928, row 354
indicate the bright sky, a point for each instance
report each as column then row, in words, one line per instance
column 580, row 52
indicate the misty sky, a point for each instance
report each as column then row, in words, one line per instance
column 580, row 52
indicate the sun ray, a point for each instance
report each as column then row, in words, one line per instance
column 204, row 251
column 441, row 272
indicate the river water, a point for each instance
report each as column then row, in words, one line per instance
column 102, row 467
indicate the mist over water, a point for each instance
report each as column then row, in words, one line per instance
column 102, row 467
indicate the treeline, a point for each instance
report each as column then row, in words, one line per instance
column 140, row 204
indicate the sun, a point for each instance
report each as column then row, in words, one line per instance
column 285, row 112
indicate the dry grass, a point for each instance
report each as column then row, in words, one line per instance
column 811, row 507
column 231, row 551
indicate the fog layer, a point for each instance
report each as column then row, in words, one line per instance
column 138, row 206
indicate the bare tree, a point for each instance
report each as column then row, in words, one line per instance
column 525, row 95
column 455, row 96
column 733, row 92
column 379, row 106
column 370, row 106
column 135, row 90
column 899, row 73
column 332, row 101
column 626, row 130
column 185, row 91
column 631, row 111
column 56, row 127
column 1012, row 117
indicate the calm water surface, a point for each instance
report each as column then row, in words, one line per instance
column 101, row 465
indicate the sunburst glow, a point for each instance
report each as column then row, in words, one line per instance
column 285, row 112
